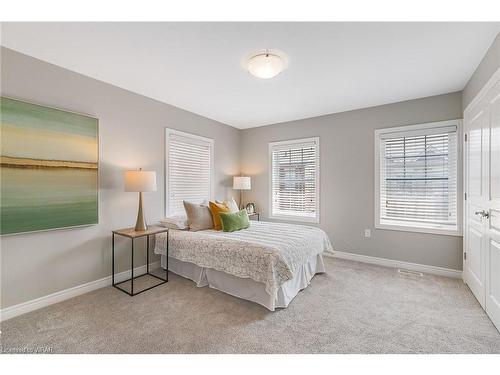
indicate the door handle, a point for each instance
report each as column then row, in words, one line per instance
column 483, row 213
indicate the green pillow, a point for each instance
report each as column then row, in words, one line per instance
column 234, row 221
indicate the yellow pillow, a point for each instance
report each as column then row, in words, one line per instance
column 216, row 209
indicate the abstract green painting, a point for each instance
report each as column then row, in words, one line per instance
column 49, row 168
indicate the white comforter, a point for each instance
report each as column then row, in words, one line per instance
column 265, row 252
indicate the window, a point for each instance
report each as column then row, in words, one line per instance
column 416, row 178
column 294, row 174
column 188, row 169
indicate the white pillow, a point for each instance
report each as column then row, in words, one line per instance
column 171, row 226
column 199, row 216
column 175, row 222
column 232, row 205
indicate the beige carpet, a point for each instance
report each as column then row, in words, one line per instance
column 353, row 308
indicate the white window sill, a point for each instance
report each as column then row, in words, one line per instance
column 410, row 228
column 303, row 219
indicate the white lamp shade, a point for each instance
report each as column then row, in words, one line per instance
column 242, row 183
column 140, row 181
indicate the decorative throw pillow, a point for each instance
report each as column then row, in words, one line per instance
column 234, row 221
column 199, row 216
column 216, row 209
column 232, row 205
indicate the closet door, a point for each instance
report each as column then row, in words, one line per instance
column 493, row 205
column 482, row 204
column 476, row 157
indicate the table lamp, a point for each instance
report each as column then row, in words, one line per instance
column 140, row 181
column 241, row 183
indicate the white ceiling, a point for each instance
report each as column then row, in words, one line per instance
column 333, row 67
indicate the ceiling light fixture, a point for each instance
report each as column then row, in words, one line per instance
column 266, row 64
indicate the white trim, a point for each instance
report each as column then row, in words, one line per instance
column 169, row 131
column 294, row 141
column 415, row 229
column 50, row 299
column 433, row 270
column 414, row 127
column 491, row 82
column 298, row 218
column 411, row 128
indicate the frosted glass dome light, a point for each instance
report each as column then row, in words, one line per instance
column 266, row 64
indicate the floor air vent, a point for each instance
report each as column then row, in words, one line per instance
column 410, row 272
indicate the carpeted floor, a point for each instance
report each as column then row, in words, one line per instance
column 353, row 308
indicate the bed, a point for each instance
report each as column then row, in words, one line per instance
column 267, row 263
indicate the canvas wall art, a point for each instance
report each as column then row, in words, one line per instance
column 49, row 168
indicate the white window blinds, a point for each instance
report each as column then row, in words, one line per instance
column 418, row 178
column 189, row 160
column 295, row 179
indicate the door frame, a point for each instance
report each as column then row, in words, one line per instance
column 465, row 131
column 492, row 81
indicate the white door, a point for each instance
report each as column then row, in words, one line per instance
column 475, row 188
column 493, row 227
column 482, row 205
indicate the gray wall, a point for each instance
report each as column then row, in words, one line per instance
column 347, row 177
column 131, row 135
column 488, row 66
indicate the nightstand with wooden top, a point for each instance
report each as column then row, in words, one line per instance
column 133, row 234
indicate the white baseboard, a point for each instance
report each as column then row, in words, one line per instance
column 38, row 303
column 399, row 264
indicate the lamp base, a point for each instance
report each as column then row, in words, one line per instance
column 140, row 224
column 242, row 206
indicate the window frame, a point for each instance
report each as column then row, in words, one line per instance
column 211, row 141
column 298, row 218
column 459, row 188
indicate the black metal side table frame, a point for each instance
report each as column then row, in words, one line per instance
column 255, row 214
column 135, row 235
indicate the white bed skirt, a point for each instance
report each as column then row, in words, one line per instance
column 247, row 288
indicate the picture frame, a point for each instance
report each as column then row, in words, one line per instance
column 250, row 207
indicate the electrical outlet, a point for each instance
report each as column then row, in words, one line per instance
column 368, row 233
